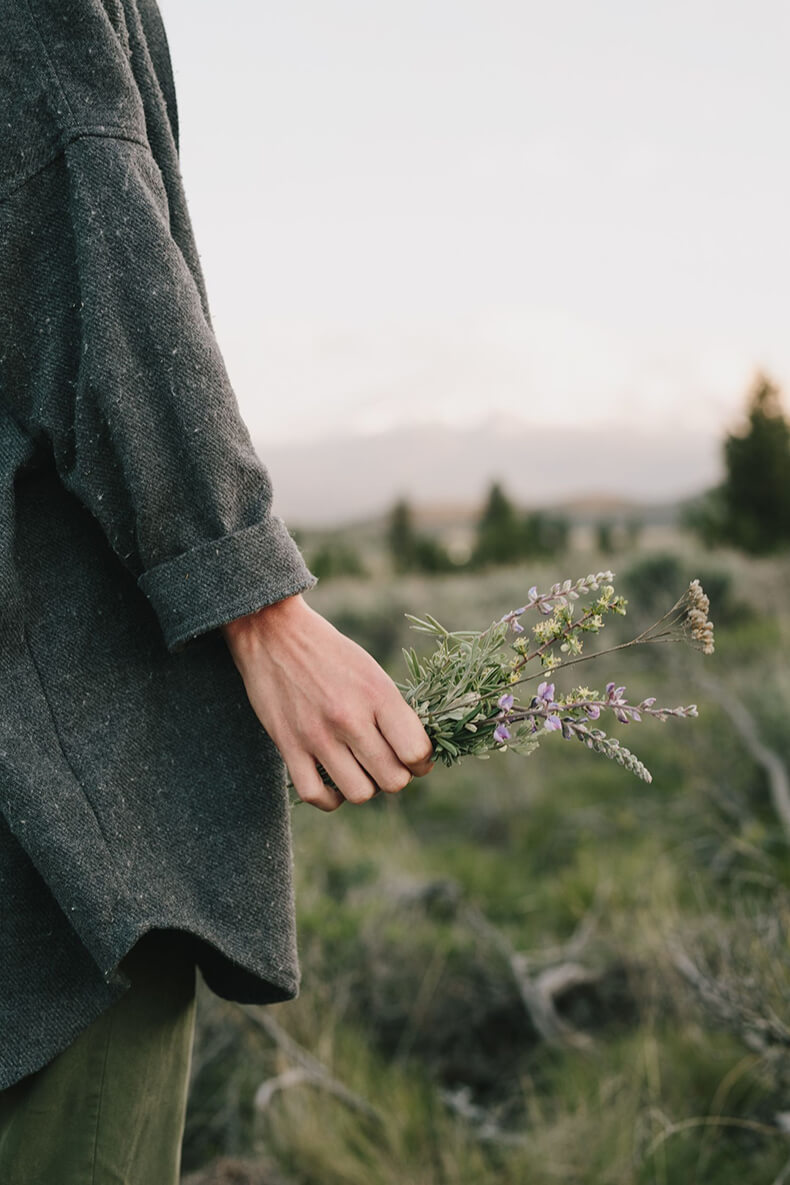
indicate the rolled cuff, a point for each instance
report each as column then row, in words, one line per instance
column 223, row 579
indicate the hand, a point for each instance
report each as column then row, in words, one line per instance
column 322, row 698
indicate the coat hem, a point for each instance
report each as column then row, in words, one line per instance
column 239, row 974
column 274, row 987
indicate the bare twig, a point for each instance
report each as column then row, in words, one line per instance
column 745, row 725
column 308, row 1068
column 294, row 1076
column 539, row 993
column 482, row 1122
column 757, row 1031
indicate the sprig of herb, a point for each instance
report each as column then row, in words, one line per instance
column 465, row 689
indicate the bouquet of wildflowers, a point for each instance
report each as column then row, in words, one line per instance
column 472, row 690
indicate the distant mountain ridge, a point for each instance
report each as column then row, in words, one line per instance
column 590, row 474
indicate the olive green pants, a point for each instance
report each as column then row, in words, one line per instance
column 110, row 1109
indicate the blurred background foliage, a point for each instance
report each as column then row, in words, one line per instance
column 543, row 970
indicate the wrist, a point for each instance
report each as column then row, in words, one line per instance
column 245, row 633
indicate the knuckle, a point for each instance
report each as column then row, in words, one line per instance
column 422, row 756
column 322, row 738
column 320, row 799
column 341, row 719
column 327, row 805
column 312, row 797
column 396, row 782
column 360, row 794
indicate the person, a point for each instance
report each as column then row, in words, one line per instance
column 160, row 664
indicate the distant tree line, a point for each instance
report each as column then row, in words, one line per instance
column 748, row 510
column 411, row 550
column 503, row 535
column 336, row 557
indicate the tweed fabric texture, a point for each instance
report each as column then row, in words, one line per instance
column 138, row 790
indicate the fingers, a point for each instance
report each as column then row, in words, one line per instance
column 380, row 747
column 310, row 786
column 360, row 771
column 401, row 727
column 377, row 758
column 346, row 772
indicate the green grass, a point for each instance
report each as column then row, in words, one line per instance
column 409, row 905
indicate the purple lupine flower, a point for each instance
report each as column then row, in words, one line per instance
column 552, row 723
column 533, row 593
column 593, row 711
column 505, row 702
column 510, row 619
column 501, row 733
column 546, row 692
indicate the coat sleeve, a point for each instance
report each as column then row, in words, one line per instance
column 108, row 358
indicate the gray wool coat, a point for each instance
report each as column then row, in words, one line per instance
column 137, row 788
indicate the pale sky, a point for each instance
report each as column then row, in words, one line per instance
column 412, row 211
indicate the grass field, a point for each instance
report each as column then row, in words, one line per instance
column 539, row 970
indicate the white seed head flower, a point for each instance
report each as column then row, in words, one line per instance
column 695, row 623
column 698, row 599
column 686, row 621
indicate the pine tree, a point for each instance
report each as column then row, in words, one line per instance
column 410, row 550
column 401, row 537
column 756, row 491
column 750, row 510
column 498, row 530
column 506, row 535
